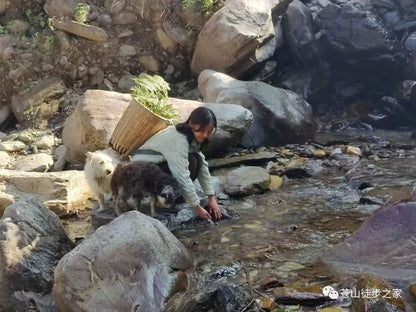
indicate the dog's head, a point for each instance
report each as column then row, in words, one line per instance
column 167, row 197
column 101, row 164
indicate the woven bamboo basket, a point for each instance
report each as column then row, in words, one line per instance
column 135, row 127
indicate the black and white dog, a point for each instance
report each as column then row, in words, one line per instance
column 134, row 180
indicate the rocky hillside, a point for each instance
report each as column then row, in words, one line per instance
column 354, row 56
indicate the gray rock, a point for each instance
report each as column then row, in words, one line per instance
column 32, row 241
column 4, row 5
column 126, row 83
column 229, row 40
column 299, row 34
column 367, row 43
column 5, row 159
column 86, row 31
column 12, row 146
column 36, row 106
column 60, row 8
column 410, row 43
column 146, row 259
column 45, row 142
column 127, row 50
column 247, row 180
column 37, row 162
column 384, row 246
column 280, row 116
column 17, row 27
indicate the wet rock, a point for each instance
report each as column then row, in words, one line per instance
column 62, row 192
column 383, row 245
column 354, row 151
column 289, row 116
column 146, row 258
column 247, row 180
column 12, row 146
column 268, row 304
column 32, row 242
column 382, row 302
column 35, row 107
column 412, row 289
column 86, row 31
column 227, row 297
column 37, row 162
column 224, row 271
column 275, row 182
column 332, row 309
column 288, row 295
column 254, row 158
column 410, row 43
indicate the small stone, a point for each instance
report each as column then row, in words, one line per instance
column 45, row 142
column 335, row 152
column 167, row 43
column 12, row 146
column 374, row 157
column 5, row 201
column 127, row 50
column 149, row 62
column 275, row 182
column 319, row 153
column 412, row 289
column 355, row 151
column 5, row 160
column 332, row 309
column 268, row 304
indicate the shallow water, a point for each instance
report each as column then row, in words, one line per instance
column 284, row 233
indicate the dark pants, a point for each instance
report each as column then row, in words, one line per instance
column 195, row 164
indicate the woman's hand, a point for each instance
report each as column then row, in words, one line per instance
column 213, row 207
column 202, row 212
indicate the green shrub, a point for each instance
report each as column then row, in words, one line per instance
column 81, row 13
column 207, row 7
column 152, row 93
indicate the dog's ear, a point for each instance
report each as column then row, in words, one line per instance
column 88, row 155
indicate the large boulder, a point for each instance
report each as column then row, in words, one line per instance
column 359, row 37
column 32, row 240
column 34, row 107
column 384, row 246
column 299, row 34
column 240, row 32
column 280, row 116
column 91, row 125
column 133, row 263
column 62, row 192
column 233, row 121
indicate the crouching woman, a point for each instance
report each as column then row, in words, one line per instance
column 180, row 147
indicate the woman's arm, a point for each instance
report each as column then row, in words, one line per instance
column 204, row 177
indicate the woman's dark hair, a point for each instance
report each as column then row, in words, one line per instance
column 202, row 117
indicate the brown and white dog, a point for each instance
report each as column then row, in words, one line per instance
column 134, row 180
